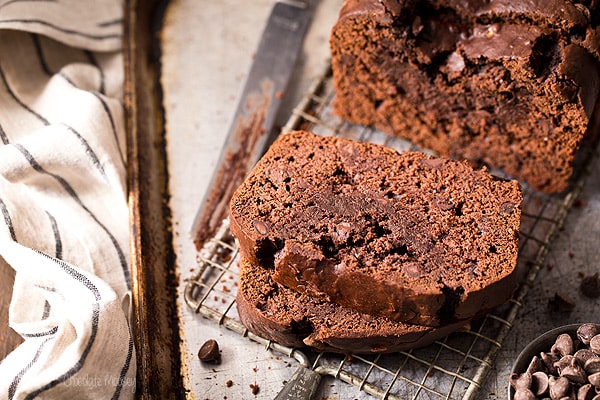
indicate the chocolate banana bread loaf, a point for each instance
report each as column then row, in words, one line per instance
column 407, row 236
column 292, row 319
column 511, row 84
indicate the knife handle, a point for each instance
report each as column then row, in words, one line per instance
column 296, row 3
column 302, row 386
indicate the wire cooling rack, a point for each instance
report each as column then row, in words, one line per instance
column 452, row 368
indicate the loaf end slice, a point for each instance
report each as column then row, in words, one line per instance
column 510, row 84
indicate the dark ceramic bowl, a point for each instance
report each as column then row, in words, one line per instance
column 542, row 343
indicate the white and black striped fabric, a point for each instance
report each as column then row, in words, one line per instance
column 63, row 201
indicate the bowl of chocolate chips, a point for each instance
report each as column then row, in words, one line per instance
column 561, row 364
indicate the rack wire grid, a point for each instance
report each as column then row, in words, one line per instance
column 452, row 368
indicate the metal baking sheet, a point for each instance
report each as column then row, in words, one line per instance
column 185, row 62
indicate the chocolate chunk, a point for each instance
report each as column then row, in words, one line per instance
column 590, row 286
column 209, row 352
column 261, row 227
column 443, row 204
column 434, row 163
column 507, row 207
column 412, row 270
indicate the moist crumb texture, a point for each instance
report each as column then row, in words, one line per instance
column 408, row 237
column 293, row 319
column 510, row 84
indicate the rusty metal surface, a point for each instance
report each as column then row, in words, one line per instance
column 154, row 321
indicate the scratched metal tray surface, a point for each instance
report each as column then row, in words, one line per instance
column 452, row 368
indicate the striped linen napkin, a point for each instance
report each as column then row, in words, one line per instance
column 63, row 200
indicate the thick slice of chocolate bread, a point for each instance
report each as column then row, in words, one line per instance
column 293, row 319
column 512, row 84
column 406, row 236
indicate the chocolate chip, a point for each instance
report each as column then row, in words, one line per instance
column 586, row 392
column 507, row 207
column 521, row 381
column 443, row 204
column 592, row 364
column 209, row 352
column 434, row 163
column 595, row 379
column 558, row 387
column 587, row 331
column 595, row 344
column 563, row 345
column 455, row 62
column 260, row 226
column 561, row 302
column 590, row 286
column 539, row 383
column 583, row 10
column 563, row 362
column 574, row 373
column 301, row 184
column 583, row 355
column 341, row 233
column 412, row 270
column 563, row 373
column 417, row 26
column 276, row 175
column 549, row 359
column 535, row 365
column 567, row 90
column 524, row 394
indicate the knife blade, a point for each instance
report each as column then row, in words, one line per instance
column 253, row 121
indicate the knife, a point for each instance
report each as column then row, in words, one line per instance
column 252, row 125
